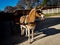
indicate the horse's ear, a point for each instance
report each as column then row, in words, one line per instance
column 37, row 7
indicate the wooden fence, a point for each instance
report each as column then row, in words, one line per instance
column 53, row 10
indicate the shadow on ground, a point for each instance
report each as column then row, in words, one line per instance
column 48, row 32
column 47, row 23
column 16, row 39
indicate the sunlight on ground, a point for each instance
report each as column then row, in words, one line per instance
column 56, row 26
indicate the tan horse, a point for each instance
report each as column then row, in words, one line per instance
column 28, row 22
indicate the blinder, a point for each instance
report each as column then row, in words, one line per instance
column 39, row 11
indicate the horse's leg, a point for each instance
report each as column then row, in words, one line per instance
column 28, row 35
column 22, row 30
column 26, row 32
column 32, row 35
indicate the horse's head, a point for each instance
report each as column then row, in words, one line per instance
column 40, row 14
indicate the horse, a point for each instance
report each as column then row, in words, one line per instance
column 28, row 23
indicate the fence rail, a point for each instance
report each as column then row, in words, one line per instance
column 55, row 10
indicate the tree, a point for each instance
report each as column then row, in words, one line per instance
column 28, row 4
column 19, row 7
column 43, row 4
column 8, row 9
column 52, row 3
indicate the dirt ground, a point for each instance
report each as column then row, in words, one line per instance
column 46, row 33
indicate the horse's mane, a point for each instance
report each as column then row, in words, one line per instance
column 32, row 11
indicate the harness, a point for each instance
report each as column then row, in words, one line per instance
column 25, row 22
